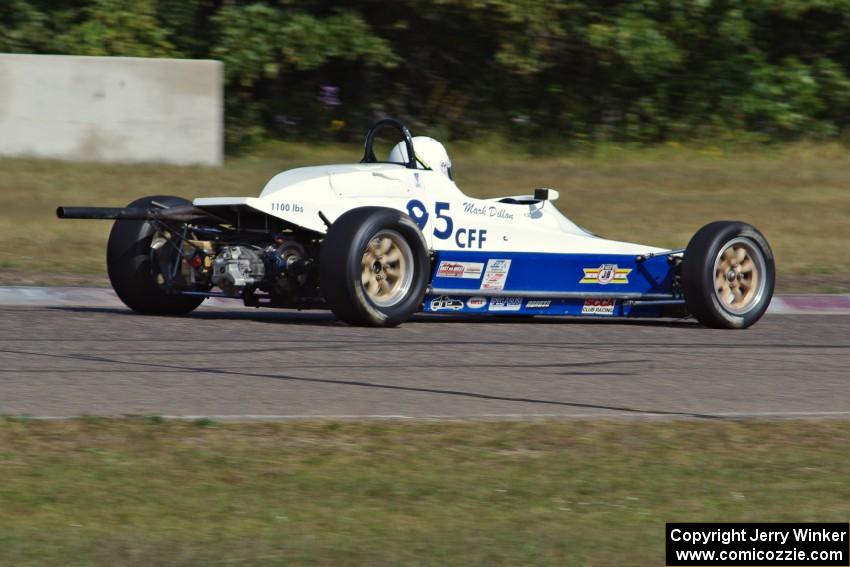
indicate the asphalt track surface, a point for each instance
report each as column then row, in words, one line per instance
column 251, row 364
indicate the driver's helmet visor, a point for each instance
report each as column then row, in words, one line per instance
column 445, row 166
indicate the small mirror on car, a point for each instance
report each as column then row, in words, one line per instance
column 546, row 194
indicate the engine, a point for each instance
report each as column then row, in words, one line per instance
column 236, row 267
column 279, row 268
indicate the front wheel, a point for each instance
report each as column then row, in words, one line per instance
column 374, row 267
column 728, row 275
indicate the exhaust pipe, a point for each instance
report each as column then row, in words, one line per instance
column 180, row 213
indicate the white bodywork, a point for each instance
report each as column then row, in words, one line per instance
column 454, row 220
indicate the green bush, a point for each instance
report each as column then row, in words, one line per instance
column 637, row 71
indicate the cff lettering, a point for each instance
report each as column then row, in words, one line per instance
column 469, row 237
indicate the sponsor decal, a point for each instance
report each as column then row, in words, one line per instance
column 476, row 302
column 505, row 304
column 537, row 304
column 598, row 306
column 606, row 274
column 465, row 270
column 446, row 303
column 496, row 274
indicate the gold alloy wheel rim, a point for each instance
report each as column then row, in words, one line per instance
column 386, row 269
column 738, row 276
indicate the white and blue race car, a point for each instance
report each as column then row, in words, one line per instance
column 378, row 241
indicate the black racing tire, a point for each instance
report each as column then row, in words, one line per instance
column 728, row 275
column 128, row 262
column 356, row 241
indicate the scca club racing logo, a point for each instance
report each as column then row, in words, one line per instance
column 606, row 274
column 598, row 306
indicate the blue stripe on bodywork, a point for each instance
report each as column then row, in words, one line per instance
column 541, row 272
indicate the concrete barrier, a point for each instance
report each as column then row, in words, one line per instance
column 111, row 109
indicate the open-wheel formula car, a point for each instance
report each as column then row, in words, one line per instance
column 378, row 241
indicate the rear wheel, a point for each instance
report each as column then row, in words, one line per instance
column 728, row 275
column 131, row 270
column 374, row 267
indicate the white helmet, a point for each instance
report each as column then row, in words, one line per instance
column 430, row 154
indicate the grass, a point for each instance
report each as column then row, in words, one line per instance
column 154, row 492
column 798, row 195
